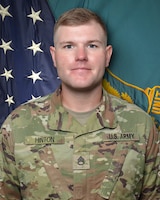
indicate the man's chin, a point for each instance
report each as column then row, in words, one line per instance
column 83, row 88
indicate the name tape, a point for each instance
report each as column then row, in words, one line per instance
column 57, row 139
column 121, row 137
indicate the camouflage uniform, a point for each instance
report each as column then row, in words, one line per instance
column 47, row 154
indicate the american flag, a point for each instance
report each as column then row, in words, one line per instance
column 26, row 67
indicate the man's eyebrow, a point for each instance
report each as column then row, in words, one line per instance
column 98, row 42
column 72, row 42
column 92, row 41
column 66, row 42
column 69, row 42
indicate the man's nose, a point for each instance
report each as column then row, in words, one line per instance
column 81, row 53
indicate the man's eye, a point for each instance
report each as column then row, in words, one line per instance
column 92, row 46
column 68, row 46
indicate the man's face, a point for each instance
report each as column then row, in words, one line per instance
column 80, row 55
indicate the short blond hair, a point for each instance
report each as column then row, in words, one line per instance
column 79, row 16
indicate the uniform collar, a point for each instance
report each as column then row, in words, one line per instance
column 103, row 117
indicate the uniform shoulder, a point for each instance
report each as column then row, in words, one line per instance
column 130, row 116
column 39, row 102
column 126, row 107
column 26, row 111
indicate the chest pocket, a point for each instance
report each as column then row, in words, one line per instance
column 123, row 179
column 39, row 174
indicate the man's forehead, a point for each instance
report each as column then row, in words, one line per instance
column 89, row 24
column 89, row 31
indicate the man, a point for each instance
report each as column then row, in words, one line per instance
column 79, row 143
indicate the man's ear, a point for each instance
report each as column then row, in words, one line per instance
column 108, row 54
column 52, row 51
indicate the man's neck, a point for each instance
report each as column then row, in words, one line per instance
column 81, row 101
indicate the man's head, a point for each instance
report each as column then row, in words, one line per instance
column 80, row 51
column 78, row 16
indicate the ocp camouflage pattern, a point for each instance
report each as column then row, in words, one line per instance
column 46, row 154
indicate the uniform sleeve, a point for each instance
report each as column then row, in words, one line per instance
column 151, row 186
column 9, row 184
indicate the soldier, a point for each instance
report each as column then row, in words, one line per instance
column 79, row 143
